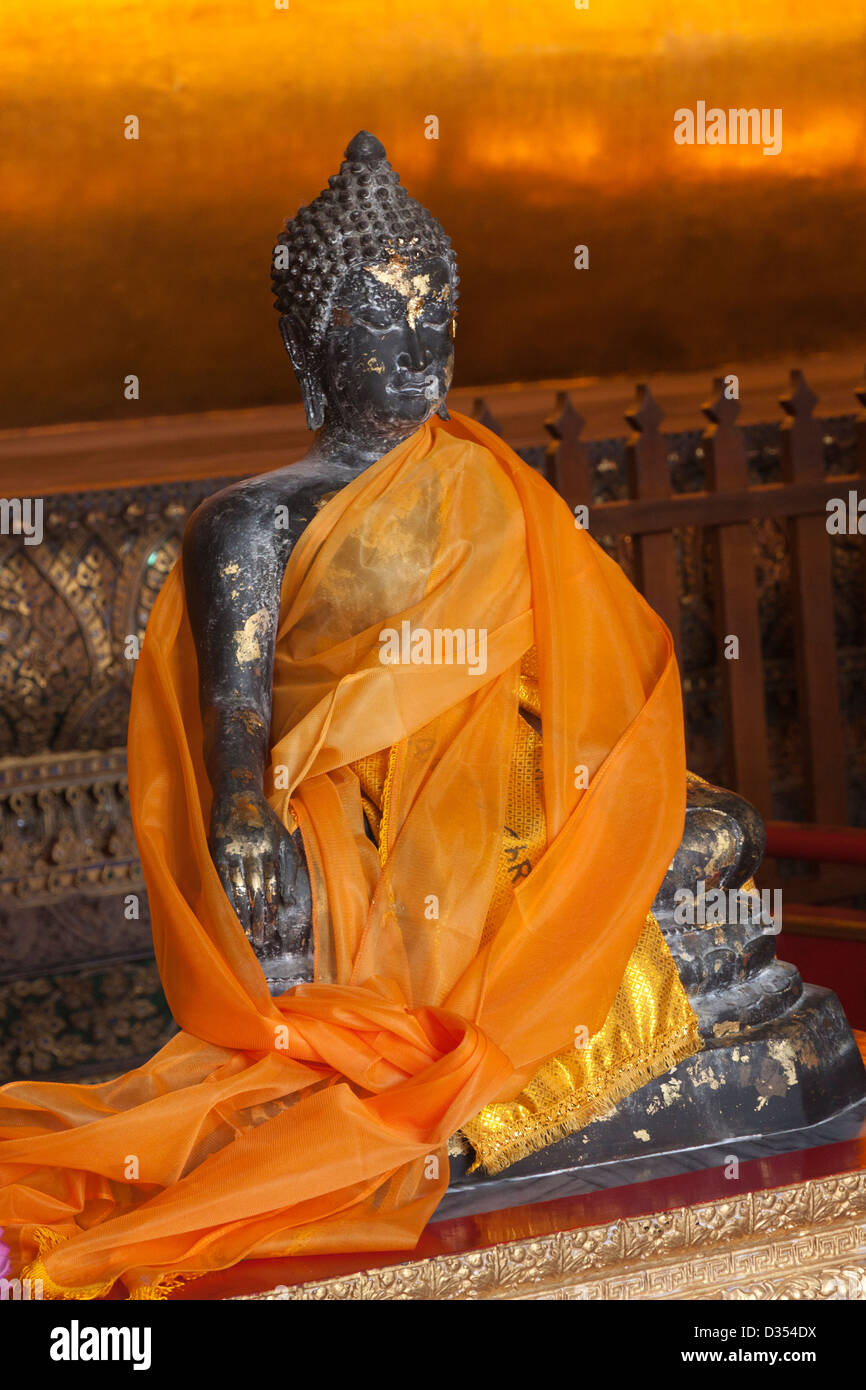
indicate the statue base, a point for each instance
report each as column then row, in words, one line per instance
column 792, row 1084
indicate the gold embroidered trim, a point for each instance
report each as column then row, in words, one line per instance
column 650, row 1028
column 387, row 790
column 529, row 693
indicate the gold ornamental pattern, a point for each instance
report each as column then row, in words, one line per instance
column 806, row 1240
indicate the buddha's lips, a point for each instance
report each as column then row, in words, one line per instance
column 427, row 385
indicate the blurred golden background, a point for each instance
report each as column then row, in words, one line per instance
column 555, row 128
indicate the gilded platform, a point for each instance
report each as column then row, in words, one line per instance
column 782, row 1226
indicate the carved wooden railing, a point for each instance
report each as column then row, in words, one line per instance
column 651, row 515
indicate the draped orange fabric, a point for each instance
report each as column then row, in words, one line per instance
column 317, row 1121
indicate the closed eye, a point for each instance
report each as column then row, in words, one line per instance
column 374, row 318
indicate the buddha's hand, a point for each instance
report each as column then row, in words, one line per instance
column 263, row 871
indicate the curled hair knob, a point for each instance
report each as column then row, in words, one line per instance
column 365, row 148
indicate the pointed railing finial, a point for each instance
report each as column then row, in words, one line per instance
column 565, row 423
column 722, row 408
column 800, row 432
column 646, row 414
column 566, row 457
column 725, row 449
column 800, row 400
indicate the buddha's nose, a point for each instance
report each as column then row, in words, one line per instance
column 414, row 357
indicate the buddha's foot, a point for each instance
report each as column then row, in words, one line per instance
column 729, row 967
column 722, row 845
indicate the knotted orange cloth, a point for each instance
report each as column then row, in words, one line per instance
column 318, row 1121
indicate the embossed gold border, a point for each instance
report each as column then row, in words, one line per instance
column 804, row 1241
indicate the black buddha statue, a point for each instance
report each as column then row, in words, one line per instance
column 366, row 289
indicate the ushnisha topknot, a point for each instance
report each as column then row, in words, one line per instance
column 363, row 218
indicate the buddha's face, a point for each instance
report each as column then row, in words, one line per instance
column 389, row 352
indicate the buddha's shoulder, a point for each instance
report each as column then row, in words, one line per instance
column 249, row 505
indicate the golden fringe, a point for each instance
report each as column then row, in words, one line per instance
column 161, row 1288
column 46, row 1241
column 500, row 1154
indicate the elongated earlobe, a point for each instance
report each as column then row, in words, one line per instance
column 442, row 412
column 308, row 380
column 314, row 401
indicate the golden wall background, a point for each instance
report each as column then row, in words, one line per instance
column 556, row 128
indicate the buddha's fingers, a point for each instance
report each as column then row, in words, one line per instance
column 225, row 880
column 304, row 899
column 271, row 886
column 239, row 896
column 256, row 899
column 288, row 865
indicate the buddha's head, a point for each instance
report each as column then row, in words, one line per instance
column 366, row 288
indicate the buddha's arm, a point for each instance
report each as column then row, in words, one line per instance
column 233, row 563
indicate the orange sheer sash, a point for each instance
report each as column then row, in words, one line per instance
column 318, row 1121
